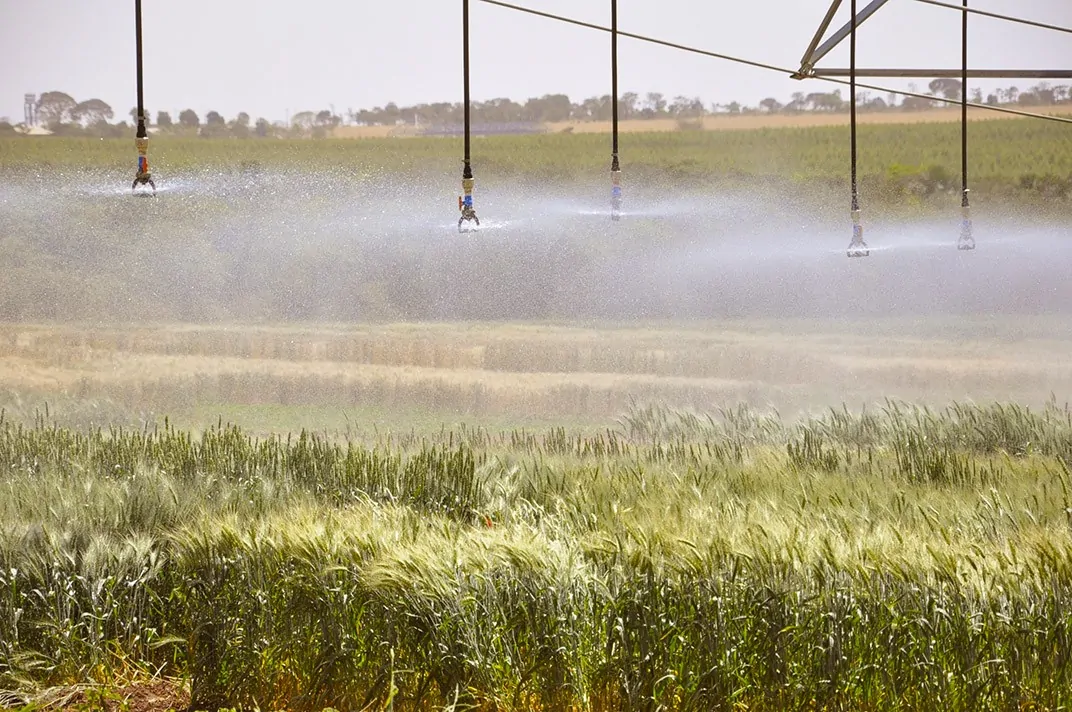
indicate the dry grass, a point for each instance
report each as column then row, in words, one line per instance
column 546, row 371
column 726, row 122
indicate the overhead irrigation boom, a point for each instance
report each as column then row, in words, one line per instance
column 770, row 67
column 817, row 51
column 141, row 137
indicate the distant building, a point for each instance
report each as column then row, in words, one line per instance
column 486, row 129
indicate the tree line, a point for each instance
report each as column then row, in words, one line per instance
column 61, row 114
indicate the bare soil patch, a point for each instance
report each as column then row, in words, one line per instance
column 160, row 695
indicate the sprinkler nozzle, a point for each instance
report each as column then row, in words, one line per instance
column 143, row 176
column 857, row 248
column 966, row 241
column 615, row 192
column 465, row 203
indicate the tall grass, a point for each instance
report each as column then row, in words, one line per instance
column 899, row 558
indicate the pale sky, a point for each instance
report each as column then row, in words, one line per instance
column 273, row 58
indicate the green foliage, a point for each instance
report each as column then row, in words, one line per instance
column 680, row 561
column 895, row 159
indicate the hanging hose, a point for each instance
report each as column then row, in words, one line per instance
column 615, row 166
column 141, row 138
column 465, row 201
column 966, row 241
column 857, row 247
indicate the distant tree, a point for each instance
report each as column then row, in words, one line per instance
column 6, row 129
column 240, row 126
column 733, row 107
column 992, row 99
column 1045, row 94
column 771, row 105
column 188, row 119
column 814, row 100
column 946, row 87
column 54, row 107
column 215, row 125
column 656, row 104
column 1060, row 93
column 627, row 105
column 822, row 101
column 1012, row 94
column 262, row 128
column 133, row 113
column 306, row 119
column 163, row 120
column 916, row 103
column 90, row 112
column 684, row 107
column 553, row 108
column 1029, row 98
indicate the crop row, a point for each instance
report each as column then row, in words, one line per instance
column 895, row 559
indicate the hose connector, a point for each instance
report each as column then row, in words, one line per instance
column 143, row 175
column 465, row 204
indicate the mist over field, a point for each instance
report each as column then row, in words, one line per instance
column 275, row 245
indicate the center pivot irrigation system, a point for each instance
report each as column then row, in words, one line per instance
column 815, row 52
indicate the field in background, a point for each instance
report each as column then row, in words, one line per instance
column 727, row 122
column 1007, row 156
column 363, row 379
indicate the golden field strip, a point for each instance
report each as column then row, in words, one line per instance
column 739, row 122
column 540, row 373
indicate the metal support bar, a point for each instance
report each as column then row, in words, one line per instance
column 841, row 34
column 857, row 247
column 966, row 241
column 141, row 94
column 615, row 165
column 465, row 200
column 806, row 61
column 1008, row 18
column 467, row 171
column 614, row 79
column 952, row 73
column 143, row 176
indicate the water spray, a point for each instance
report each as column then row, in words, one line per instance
column 615, row 166
column 465, row 201
column 141, row 138
column 857, row 247
column 966, row 241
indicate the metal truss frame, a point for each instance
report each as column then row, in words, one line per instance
column 817, row 51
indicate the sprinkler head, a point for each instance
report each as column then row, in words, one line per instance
column 857, row 247
column 966, row 241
